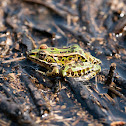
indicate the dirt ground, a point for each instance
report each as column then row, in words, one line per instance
column 29, row 98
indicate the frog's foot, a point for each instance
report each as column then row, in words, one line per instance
column 54, row 72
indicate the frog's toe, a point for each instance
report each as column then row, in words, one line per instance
column 64, row 74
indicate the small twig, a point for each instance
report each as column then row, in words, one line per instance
column 66, row 9
column 78, row 36
column 37, row 29
column 58, row 28
column 85, row 97
column 5, row 89
column 37, row 97
column 15, row 112
column 120, row 82
column 50, row 6
column 33, row 42
column 110, row 75
column 7, row 48
column 121, row 23
column 13, row 60
column 80, row 11
column 110, row 84
column 116, row 93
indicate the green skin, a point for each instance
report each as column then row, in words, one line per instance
column 69, row 61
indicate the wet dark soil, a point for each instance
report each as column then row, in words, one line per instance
column 29, row 98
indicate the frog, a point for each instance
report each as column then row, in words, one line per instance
column 68, row 61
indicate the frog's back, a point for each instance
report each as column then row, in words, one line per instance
column 68, row 54
column 63, row 51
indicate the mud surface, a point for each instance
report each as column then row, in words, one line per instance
column 29, row 98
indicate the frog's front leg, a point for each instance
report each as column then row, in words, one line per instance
column 53, row 72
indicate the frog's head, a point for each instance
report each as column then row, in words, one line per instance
column 32, row 53
column 37, row 53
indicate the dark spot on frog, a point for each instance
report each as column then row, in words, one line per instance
column 59, row 58
column 84, row 59
column 78, row 58
column 68, row 73
column 65, row 60
column 73, row 48
column 90, row 59
column 70, row 58
column 33, row 59
column 88, row 72
column 70, row 65
column 72, row 73
column 74, row 56
column 84, row 71
column 79, row 73
column 52, row 48
column 94, row 62
column 56, row 74
column 64, row 52
column 66, row 47
column 87, row 69
column 65, row 57
column 49, row 60
column 75, row 74
column 74, row 66
column 63, row 67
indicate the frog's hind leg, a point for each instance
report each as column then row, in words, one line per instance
column 93, row 59
column 86, row 77
column 89, row 74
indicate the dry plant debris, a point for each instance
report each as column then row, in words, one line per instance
column 27, row 97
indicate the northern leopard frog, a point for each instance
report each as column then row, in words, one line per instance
column 71, row 61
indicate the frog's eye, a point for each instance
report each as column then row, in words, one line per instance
column 43, row 46
column 41, row 55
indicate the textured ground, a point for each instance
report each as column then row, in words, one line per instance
column 27, row 97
